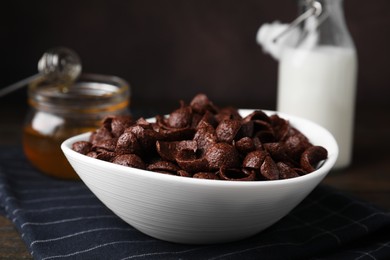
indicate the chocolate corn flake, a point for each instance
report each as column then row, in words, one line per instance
column 172, row 150
column 104, row 155
column 227, row 130
column 181, row 117
column 82, row 147
column 201, row 104
column 206, row 175
column 245, row 145
column 101, row 134
column 162, row 165
column 202, row 140
column 222, row 155
column 312, row 156
column 130, row 160
column 119, row 124
column 237, row 174
column 254, row 159
column 285, row 171
column 193, row 165
column 127, row 143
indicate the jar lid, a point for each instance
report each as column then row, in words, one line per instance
column 91, row 93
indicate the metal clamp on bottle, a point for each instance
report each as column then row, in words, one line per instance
column 315, row 9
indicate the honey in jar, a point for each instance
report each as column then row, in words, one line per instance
column 58, row 112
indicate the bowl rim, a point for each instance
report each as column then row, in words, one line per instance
column 333, row 151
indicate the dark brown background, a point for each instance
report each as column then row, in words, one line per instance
column 173, row 49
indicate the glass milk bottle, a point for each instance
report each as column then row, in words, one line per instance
column 317, row 75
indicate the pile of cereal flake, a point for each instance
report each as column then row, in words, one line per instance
column 202, row 140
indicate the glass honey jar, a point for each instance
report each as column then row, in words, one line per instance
column 59, row 111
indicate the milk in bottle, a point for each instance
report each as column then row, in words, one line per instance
column 317, row 70
column 319, row 85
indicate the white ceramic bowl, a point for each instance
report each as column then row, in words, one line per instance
column 199, row 211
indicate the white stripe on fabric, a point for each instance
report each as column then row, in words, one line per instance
column 57, row 208
column 162, row 253
column 338, row 194
column 53, row 198
column 333, row 212
column 372, row 251
column 311, row 202
column 65, row 220
column 259, row 247
column 325, row 217
column 59, row 189
column 294, row 244
column 99, row 246
column 363, row 254
column 362, row 219
column 80, row 233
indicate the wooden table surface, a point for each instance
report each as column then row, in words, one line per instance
column 367, row 178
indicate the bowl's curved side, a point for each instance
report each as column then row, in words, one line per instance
column 184, row 213
column 194, row 211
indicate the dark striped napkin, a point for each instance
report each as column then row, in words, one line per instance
column 64, row 220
